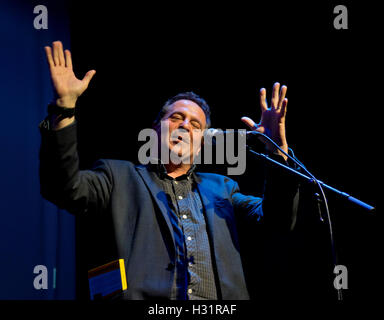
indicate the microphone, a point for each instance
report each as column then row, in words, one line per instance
column 211, row 134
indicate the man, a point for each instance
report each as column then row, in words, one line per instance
column 175, row 228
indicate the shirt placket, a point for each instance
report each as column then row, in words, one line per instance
column 183, row 202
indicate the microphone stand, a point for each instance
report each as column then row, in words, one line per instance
column 368, row 208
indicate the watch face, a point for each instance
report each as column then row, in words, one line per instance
column 44, row 124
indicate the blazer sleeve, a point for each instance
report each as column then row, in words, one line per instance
column 61, row 181
column 277, row 208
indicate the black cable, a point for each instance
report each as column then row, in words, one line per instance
column 294, row 159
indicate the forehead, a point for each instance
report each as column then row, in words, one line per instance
column 187, row 107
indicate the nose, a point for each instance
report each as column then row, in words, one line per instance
column 185, row 125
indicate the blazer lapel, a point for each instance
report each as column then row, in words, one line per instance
column 220, row 226
column 208, row 199
column 158, row 195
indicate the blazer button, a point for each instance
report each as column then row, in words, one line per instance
column 171, row 266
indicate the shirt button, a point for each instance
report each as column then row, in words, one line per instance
column 180, row 197
column 175, row 182
column 189, row 290
column 185, row 216
column 190, row 264
column 189, row 238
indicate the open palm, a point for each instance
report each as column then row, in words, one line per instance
column 272, row 122
column 67, row 87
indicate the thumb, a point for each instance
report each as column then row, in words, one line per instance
column 253, row 125
column 249, row 122
column 88, row 76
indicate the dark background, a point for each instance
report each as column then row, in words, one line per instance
column 147, row 53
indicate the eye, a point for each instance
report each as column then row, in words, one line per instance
column 176, row 117
column 196, row 124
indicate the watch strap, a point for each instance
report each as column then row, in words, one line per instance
column 63, row 112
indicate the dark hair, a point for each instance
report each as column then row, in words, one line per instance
column 186, row 96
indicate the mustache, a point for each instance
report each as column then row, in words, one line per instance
column 178, row 135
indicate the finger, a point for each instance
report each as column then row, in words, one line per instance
column 61, row 54
column 283, row 92
column 284, row 108
column 249, row 122
column 263, row 100
column 48, row 53
column 88, row 76
column 252, row 125
column 68, row 59
column 56, row 49
column 275, row 95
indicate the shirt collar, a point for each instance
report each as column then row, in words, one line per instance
column 157, row 166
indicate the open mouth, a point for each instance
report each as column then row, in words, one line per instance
column 178, row 141
column 180, row 138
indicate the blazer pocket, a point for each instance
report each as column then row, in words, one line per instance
column 220, row 203
column 224, row 208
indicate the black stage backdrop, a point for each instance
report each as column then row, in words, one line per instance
column 146, row 53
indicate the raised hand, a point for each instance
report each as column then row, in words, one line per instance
column 272, row 121
column 66, row 86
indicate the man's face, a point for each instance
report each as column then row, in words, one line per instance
column 186, row 121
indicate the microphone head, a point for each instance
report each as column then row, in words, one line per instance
column 211, row 132
column 210, row 136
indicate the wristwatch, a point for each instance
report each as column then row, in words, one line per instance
column 57, row 111
column 63, row 112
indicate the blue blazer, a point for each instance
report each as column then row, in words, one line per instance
column 128, row 196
